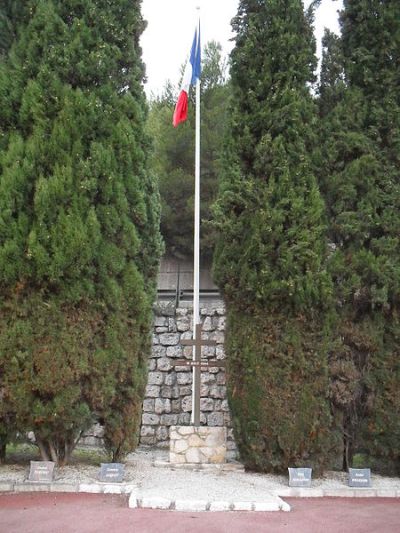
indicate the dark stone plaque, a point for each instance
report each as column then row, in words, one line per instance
column 300, row 477
column 359, row 477
column 41, row 471
column 112, row 472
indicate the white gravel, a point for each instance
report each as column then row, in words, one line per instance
column 178, row 484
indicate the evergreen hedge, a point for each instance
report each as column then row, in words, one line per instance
column 79, row 216
column 359, row 176
column 270, row 258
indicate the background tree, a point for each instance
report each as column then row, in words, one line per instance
column 360, row 179
column 270, row 258
column 173, row 157
column 79, row 241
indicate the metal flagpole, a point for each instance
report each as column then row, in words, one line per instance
column 196, row 277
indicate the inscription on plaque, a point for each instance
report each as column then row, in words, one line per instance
column 300, row 477
column 41, row 471
column 112, row 472
column 359, row 477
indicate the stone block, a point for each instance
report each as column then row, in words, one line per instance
column 169, row 339
column 155, row 340
column 243, row 506
column 184, row 390
column 152, row 391
column 155, row 503
column 170, row 379
column 112, row 489
column 218, row 337
column 273, row 505
column 170, row 392
column 174, row 351
column 172, row 325
column 162, row 405
column 220, row 351
column 179, row 446
column 147, row 431
column 183, row 324
column 207, row 324
column 152, row 364
column 162, row 433
column 193, row 506
column 150, row 419
column 220, row 506
column 164, row 364
column 158, row 351
column 148, row 441
column 218, row 391
column 183, row 378
column 176, row 406
column 160, row 321
column 162, row 329
column 221, row 378
column 207, row 378
column 215, row 419
column 186, row 403
column 148, row 405
column 184, row 418
column 168, row 420
column 155, row 378
column 64, row 487
column 225, row 406
column 6, row 486
column 206, row 404
column 93, row 488
column 133, row 501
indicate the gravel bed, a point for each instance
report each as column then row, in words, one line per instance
column 168, row 482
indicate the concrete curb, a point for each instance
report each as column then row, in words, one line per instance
column 274, row 503
column 94, row 488
column 342, row 492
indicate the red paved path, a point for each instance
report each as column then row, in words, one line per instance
column 94, row 513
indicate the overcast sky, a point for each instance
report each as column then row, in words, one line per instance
column 168, row 37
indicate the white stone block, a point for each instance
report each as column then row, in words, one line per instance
column 243, row 506
column 191, row 505
column 112, row 489
column 133, row 501
column 268, row 506
column 195, row 441
column 155, row 503
column 220, row 506
column 179, row 446
column 93, row 488
column 192, row 455
column 285, row 506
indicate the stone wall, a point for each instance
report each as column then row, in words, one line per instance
column 168, row 400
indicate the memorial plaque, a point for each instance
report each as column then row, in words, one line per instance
column 112, row 472
column 300, row 477
column 359, row 477
column 41, row 471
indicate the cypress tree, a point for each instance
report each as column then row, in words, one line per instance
column 360, row 180
column 79, row 241
column 270, row 256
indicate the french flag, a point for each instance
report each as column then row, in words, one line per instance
column 190, row 77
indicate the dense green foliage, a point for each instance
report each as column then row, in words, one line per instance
column 359, row 169
column 270, row 258
column 173, row 157
column 79, row 241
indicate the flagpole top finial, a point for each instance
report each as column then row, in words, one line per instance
column 198, row 8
